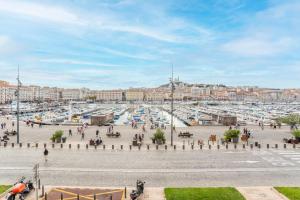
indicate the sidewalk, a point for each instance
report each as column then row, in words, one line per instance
column 154, row 194
column 260, row 193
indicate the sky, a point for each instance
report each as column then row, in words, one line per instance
column 106, row 44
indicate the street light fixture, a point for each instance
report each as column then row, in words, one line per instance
column 18, row 105
column 172, row 105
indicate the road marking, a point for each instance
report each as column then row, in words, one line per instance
column 252, row 169
column 246, row 161
column 295, row 158
column 273, row 158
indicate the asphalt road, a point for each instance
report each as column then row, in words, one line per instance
column 158, row 168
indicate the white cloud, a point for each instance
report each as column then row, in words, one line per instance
column 78, row 62
column 50, row 13
column 257, row 46
column 107, row 20
column 7, row 45
column 129, row 55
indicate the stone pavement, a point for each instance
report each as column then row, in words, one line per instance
column 154, row 194
column 260, row 193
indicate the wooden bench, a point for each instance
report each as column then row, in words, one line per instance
column 185, row 134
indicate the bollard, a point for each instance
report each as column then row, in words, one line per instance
column 276, row 146
column 183, row 147
column 104, row 147
column 45, row 145
column 251, row 146
column 166, row 147
column 95, row 146
column 192, row 146
column 218, row 146
column 130, row 147
column 156, row 147
column 112, row 147
column 61, row 146
column 139, row 146
column 61, row 196
column 45, row 196
column 78, row 146
column 43, row 191
column 244, row 146
column 200, row 146
column 268, row 146
column 235, row 146
column 86, row 146
column 39, row 184
column 28, row 145
column 70, row 146
column 174, row 147
column 226, row 146
column 5, row 144
column 284, row 146
column 148, row 146
column 20, row 145
column 121, row 146
column 36, row 145
column 12, row 144
column 125, row 192
column 209, row 146
column 294, row 146
column 259, row 146
column 77, row 196
column 53, row 145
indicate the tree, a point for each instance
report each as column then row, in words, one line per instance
column 292, row 119
column 230, row 134
column 57, row 135
column 159, row 136
column 296, row 133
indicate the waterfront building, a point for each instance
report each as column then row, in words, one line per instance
column 107, row 95
column 135, row 95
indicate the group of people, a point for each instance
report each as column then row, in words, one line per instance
column 80, row 131
column 110, row 129
column 30, row 123
column 134, row 124
column 3, row 125
column 274, row 126
column 138, row 137
column 247, row 132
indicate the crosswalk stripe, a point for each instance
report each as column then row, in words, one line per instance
column 291, row 156
column 295, row 158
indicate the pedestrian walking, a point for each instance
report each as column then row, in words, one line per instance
column 82, row 136
column 97, row 133
column 70, row 132
column 46, row 152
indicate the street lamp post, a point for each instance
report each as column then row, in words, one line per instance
column 172, row 106
column 18, row 106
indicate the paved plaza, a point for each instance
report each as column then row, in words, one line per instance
column 42, row 135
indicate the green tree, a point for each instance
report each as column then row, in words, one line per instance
column 159, row 135
column 229, row 134
column 292, row 119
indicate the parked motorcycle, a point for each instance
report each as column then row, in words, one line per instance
column 20, row 188
column 139, row 190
